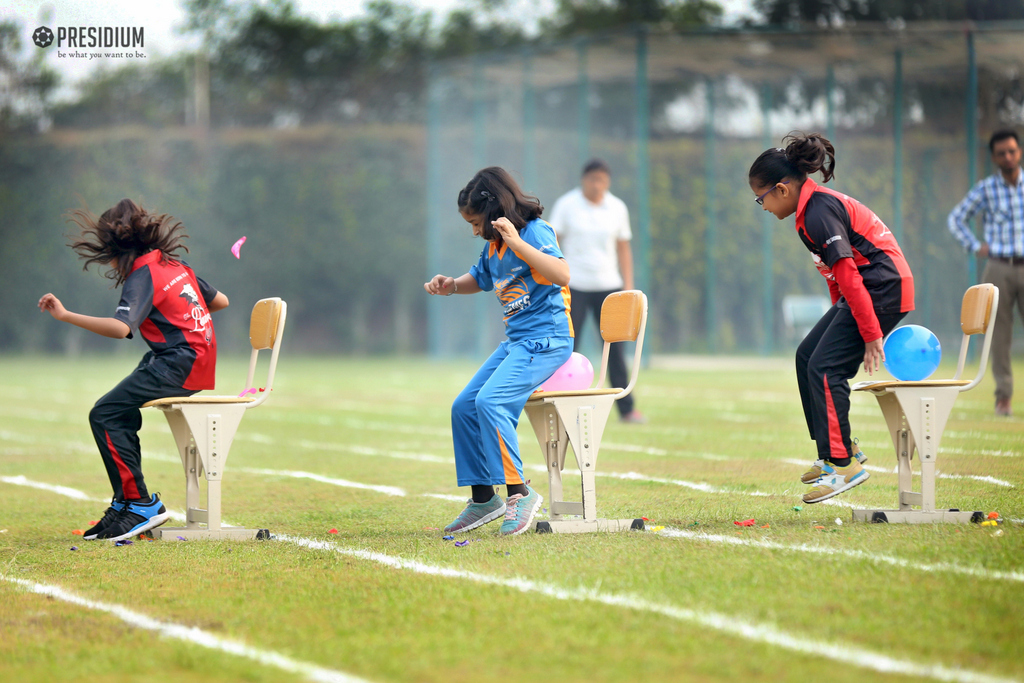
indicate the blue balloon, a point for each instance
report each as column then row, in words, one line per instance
column 912, row 353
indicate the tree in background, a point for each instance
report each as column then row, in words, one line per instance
column 25, row 86
column 841, row 12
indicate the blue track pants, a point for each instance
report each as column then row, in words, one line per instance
column 485, row 415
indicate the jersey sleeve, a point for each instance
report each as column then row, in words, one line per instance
column 481, row 273
column 827, row 224
column 541, row 236
column 207, row 291
column 136, row 300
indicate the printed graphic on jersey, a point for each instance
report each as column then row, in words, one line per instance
column 199, row 315
column 514, row 294
column 822, row 268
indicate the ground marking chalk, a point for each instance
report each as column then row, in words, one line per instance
column 751, row 631
column 764, row 633
column 191, row 634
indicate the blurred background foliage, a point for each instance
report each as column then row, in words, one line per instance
column 310, row 139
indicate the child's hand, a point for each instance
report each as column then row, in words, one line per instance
column 53, row 306
column 440, row 285
column 873, row 355
column 507, row 231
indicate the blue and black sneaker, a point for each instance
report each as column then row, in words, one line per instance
column 108, row 518
column 136, row 517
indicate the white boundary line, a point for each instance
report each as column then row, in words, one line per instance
column 765, row 633
column 976, row 572
column 757, row 632
column 191, row 634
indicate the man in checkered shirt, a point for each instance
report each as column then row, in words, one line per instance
column 1000, row 200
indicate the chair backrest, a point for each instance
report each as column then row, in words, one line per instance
column 977, row 316
column 623, row 318
column 266, row 327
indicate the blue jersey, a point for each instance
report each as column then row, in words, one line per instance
column 533, row 306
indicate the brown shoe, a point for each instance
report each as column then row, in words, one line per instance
column 1003, row 408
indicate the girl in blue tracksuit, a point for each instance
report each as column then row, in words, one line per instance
column 522, row 263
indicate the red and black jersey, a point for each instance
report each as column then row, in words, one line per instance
column 165, row 301
column 834, row 226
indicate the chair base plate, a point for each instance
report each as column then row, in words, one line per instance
column 917, row 516
column 225, row 534
column 581, row 526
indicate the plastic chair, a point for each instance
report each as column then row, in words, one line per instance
column 578, row 418
column 204, row 427
column 916, row 414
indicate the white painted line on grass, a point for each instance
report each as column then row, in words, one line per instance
column 20, row 480
column 734, row 626
column 190, row 634
column 387, row 490
column 979, row 572
column 445, row 496
column 975, row 572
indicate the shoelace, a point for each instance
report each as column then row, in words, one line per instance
column 512, row 506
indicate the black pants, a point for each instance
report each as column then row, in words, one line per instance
column 826, row 359
column 116, row 420
column 583, row 304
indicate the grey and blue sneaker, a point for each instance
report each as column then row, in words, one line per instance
column 135, row 518
column 477, row 514
column 519, row 512
column 108, row 518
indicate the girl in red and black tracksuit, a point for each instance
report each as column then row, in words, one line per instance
column 871, row 286
column 164, row 300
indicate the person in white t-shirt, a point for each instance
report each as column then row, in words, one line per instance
column 592, row 226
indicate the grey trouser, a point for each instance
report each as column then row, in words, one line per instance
column 1010, row 281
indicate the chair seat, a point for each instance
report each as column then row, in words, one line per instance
column 541, row 395
column 197, row 400
column 896, row 384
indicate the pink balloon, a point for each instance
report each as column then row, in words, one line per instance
column 575, row 374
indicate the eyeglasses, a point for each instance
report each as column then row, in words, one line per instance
column 760, row 200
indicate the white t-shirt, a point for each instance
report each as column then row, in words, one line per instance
column 588, row 234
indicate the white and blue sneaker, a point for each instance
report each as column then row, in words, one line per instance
column 108, row 518
column 812, row 475
column 834, row 480
column 135, row 518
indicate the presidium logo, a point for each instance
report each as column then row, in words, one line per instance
column 92, row 37
column 42, row 36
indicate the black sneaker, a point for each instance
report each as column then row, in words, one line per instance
column 135, row 518
column 108, row 517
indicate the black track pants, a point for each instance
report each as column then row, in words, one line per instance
column 116, row 420
column 826, row 359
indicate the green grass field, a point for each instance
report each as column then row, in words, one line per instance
column 386, row 599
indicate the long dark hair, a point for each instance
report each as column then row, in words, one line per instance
column 805, row 153
column 122, row 234
column 493, row 193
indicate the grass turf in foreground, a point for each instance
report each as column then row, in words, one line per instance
column 385, row 422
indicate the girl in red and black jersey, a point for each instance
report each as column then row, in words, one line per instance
column 163, row 300
column 871, row 286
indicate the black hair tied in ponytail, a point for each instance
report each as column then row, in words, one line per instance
column 805, row 153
